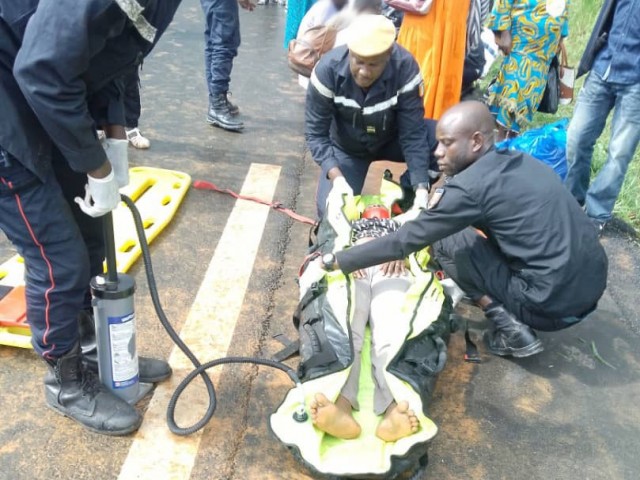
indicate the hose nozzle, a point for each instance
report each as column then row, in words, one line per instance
column 300, row 415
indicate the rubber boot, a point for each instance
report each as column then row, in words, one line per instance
column 220, row 115
column 75, row 392
column 509, row 336
column 150, row 370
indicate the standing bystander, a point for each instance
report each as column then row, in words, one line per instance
column 613, row 84
column 222, row 39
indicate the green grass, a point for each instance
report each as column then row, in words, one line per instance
column 582, row 16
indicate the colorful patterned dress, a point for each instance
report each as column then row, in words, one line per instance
column 515, row 95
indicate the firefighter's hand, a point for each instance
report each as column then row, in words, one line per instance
column 312, row 274
column 117, row 151
column 421, row 199
column 339, row 189
column 406, row 216
column 102, row 195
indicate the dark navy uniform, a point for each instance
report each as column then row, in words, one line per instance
column 348, row 127
column 58, row 59
column 541, row 257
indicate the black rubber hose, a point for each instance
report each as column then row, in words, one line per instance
column 200, row 369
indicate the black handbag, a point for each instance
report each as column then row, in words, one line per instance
column 551, row 97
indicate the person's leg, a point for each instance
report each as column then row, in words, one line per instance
column 132, row 110
column 150, row 370
column 484, row 274
column 625, row 135
column 387, row 298
column 37, row 220
column 354, row 171
column 361, row 311
column 222, row 39
column 594, row 103
column 39, row 223
column 132, row 107
column 337, row 418
column 91, row 229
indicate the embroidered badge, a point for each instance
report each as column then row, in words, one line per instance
column 435, row 198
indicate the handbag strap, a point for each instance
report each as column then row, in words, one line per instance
column 562, row 57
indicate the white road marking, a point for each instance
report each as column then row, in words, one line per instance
column 155, row 452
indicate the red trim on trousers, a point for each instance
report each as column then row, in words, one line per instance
column 44, row 257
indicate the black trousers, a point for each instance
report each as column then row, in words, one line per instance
column 132, row 99
column 480, row 269
column 62, row 248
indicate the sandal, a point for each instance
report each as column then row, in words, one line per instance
column 137, row 140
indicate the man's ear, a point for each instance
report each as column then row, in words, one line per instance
column 477, row 141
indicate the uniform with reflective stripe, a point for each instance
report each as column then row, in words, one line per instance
column 341, row 115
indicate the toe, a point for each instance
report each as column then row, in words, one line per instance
column 321, row 400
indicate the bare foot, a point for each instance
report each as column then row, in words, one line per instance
column 398, row 422
column 334, row 418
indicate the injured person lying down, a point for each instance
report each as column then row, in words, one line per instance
column 371, row 345
column 378, row 290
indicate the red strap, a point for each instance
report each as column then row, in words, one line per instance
column 203, row 185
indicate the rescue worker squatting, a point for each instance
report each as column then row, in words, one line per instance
column 541, row 266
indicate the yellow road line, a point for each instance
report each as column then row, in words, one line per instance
column 155, row 452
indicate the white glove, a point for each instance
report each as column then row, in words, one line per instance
column 407, row 216
column 339, row 189
column 312, row 274
column 117, row 151
column 102, row 196
column 421, row 199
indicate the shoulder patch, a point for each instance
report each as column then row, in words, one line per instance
column 435, row 198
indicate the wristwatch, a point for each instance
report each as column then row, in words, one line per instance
column 328, row 262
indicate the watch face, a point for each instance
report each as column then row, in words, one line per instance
column 327, row 260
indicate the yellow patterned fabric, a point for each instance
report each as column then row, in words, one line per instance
column 536, row 28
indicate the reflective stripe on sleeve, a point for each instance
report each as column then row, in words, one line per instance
column 413, row 83
column 322, row 90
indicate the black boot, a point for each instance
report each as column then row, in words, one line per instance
column 150, row 370
column 233, row 108
column 509, row 336
column 75, row 392
column 220, row 114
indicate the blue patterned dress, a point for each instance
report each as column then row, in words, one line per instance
column 518, row 89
